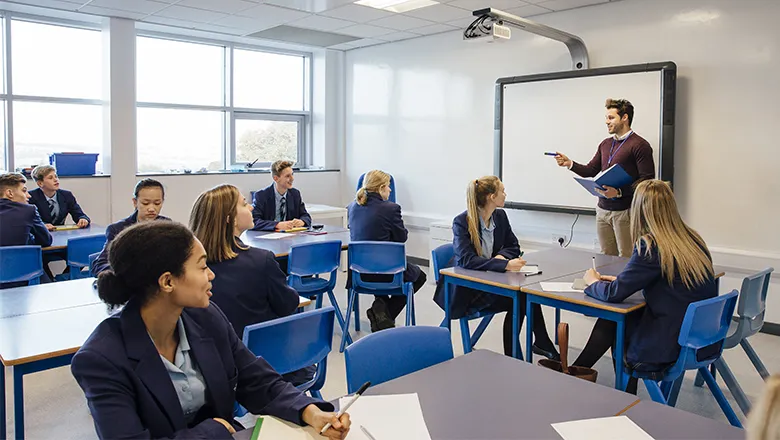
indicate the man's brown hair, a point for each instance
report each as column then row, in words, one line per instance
column 41, row 171
column 279, row 166
column 623, row 107
column 11, row 180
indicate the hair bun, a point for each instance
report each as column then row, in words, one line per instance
column 112, row 289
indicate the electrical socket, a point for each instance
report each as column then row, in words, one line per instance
column 560, row 240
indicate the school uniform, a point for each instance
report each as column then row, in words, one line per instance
column 21, row 225
column 267, row 208
column 101, row 262
column 130, row 388
column 62, row 204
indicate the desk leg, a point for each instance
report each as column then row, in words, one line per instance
column 619, row 344
column 2, row 404
column 447, row 289
column 18, row 402
column 529, row 324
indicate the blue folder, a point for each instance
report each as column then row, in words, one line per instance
column 614, row 176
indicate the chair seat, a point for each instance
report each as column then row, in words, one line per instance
column 311, row 285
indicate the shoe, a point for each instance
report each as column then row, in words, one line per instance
column 552, row 355
column 372, row 320
column 381, row 316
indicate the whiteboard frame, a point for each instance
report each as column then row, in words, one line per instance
column 668, row 99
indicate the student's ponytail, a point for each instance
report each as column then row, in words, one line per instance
column 477, row 193
column 373, row 181
column 361, row 196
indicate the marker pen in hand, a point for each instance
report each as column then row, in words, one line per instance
column 548, row 153
column 346, row 407
column 594, row 264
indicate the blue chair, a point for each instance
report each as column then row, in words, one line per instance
column 79, row 251
column 21, row 263
column 306, row 263
column 394, row 352
column 93, row 257
column 750, row 311
column 706, row 322
column 377, row 258
column 294, row 342
column 392, row 187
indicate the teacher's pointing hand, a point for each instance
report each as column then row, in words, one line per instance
column 563, row 160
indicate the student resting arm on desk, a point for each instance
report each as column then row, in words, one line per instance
column 483, row 240
column 672, row 266
column 280, row 206
column 169, row 365
column 249, row 286
column 54, row 204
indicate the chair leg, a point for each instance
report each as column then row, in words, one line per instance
column 318, row 303
column 557, row 321
column 316, row 394
column 339, row 317
column 654, row 390
column 674, row 391
column 731, row 383
column 408, row 310
column 350, row 299
column 753, row 356
column 465, row 335
column 699, row 381
column 357, row 312
column 720, row 398
column 414, row 306
column 481, row 329
column 666, row 388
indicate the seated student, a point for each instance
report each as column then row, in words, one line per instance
column 20, row 223
column 249, row 286
column 373, row 218
column 148, row 198
column 672, row 266
column 54, row 204
column 169, row 364
column 764, row 419
column 483, row 240
column 279, row 206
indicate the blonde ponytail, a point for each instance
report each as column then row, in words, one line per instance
column 477, row 193
column 373, row 181
column 362, row 196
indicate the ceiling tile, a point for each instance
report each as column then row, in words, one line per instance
column 246, row 23
column 321, row 23
column 439, row 13
column 560, row 5
column 400, row 22
column 434, row 29
column 528, row 11
column 190, row 14
column 53, row 4
column 170, row 21
column 220, row 29
column 108, row 12
column 225, row 6
column 365, row 42
column 462, row 23
column 273, row 13
column 357, row 13
column 473, row 5
column 365, row 31
column 398, row 36
column 309, row 5
column 140, row 6
column 343, row 46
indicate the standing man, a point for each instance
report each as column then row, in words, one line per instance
column 635, row 155
column 280, row 207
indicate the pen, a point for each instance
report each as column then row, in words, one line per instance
column 368, row 434
column 346, row 407
column 532, row 274
column 547, row 153
column 594, row 264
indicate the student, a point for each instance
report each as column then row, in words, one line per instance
column 249, row 286
column 20, row 223
column 483, row 240
column 54, row 204
column 148, row 198
column 764, row 419
column 279, row 206
column 634, row 154
column 373, row 218
column 169, row 364
column 672, row 266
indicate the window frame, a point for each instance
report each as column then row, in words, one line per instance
column 256, row 116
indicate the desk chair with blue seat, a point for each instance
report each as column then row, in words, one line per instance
column 392, row 187
column 705, row 323
column 20, row 264
column 80, row 249
column 395, row 352
column 376, row 258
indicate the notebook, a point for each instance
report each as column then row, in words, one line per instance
column 614, row 176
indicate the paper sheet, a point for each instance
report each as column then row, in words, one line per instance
column 529, row 269
column 559, row 287
column 275, row 429
column 274, row 236
column 389, row 417
column 606, row 428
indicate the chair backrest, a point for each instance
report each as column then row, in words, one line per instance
column 392, row 186
column 80, row 248
column 21, row 263
column 314, row 258
column 93, row 257
column 377, row 257
column 442, row 258
column 394, row 352
column 706, row 322
column 752, row 301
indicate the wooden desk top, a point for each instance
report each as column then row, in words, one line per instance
column 281, row 247
column 47, row 297
column 60, row 238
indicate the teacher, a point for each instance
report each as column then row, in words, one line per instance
column 635, row 155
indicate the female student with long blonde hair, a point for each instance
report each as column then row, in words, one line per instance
column 764, row 419
column 483, row 240
column 673, row 267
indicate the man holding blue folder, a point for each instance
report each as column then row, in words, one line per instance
column 635, row 155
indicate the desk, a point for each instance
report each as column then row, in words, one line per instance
column 667, row 423
column 281, row 247
column 60, row 238
column 554, row 263
column 42, row 298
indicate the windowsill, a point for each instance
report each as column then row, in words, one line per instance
column 90, row 176
column 238, row 172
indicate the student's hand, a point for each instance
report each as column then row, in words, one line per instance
column 500, row 257
column 609, row 192
column 227, row 425
column 82, row 223
column 317, row 419
column 297, row 223
column 563, row 160
column 50, row 226
column 591, row 276
column 283, row 226
column 608, row 278
column 515, row 264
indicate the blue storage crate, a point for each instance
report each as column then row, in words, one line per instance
column 74, row 164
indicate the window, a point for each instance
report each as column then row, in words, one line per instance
column 265, row 140
column 178, row 140
column 268, row 80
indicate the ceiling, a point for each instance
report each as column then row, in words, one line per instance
column 246, row 17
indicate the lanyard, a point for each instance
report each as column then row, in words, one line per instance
column 611, row 154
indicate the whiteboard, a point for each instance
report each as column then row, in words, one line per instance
column 567, row 115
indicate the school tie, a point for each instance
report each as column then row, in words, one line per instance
column 283, row 209
column 53, row 209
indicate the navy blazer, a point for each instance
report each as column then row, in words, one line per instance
column 66, row 201
column 504, row 244
column 264, row 208
column 131, row 395
column 251, row 288
column 20, row 225
column 654, row 340
column 101, row 262
column 379, row 220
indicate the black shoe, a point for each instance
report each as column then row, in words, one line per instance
column 552, row 355
column 381, row 316
column 372, row 320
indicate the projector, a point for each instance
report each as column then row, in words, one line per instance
column 487, row 29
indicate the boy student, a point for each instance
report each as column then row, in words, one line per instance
column 54, row 204
column 148, row 198
column 635, row 155
column 280, row 207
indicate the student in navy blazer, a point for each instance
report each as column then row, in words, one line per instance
column 148, row 198
column 280, row 206
column 483, row 240
column 373, row 218
column 671, row 265
column 49, row 188
column 249, row 287
column 169, row 365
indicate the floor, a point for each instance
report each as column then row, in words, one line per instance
column 56, row 408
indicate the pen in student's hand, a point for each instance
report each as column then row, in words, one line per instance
column 532, row 274
column 594, row 264
column 368, row 434
column 346, row 407
column 548, row 153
